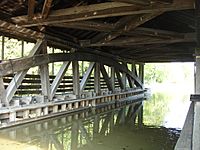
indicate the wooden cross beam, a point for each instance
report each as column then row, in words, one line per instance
column 86, row 76
column 127, row 24
column 106, row 78
column 59, row 77
column 102, row 10
column 7, row 68
column 143, row 40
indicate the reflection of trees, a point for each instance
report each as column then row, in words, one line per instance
column 155, row 109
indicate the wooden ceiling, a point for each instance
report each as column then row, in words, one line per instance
column 139, row 30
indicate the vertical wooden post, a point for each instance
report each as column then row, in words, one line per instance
column 76, row 78
column 97, row 86
column 196, row 127
column 2, row 92
column 44, row 74
column 3, row 46
column 113, row 78
column 22, row 48
column 141, row 72
column 53, row 63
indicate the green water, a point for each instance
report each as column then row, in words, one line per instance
column 109, row 130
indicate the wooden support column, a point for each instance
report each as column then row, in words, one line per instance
column 106, row 78
column 3, row 47
column 76, row 78
column 44, row 74
column 22, row 48
column 2, row 92
column 141, row 72
column 86, row 76
column 97, row 86
column 112, row 79
column 19, row 76
column 58, row 78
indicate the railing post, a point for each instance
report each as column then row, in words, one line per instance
column 97, row 87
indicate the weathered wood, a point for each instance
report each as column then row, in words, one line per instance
column 141, row 72
column 140, row 2
column 31, row 9
column 112, row 78
column 97, row 87
column 76, row 78
column 46, row 8
column 142, row 40
column 106, row 78
column 26, row 63
column 86, row 76
column 2, row 93
column 119, row 78
column 102, row 10
column 58, row 78
column 2, row 47
column 129, row 23
column 19, row 76
column 44, row 74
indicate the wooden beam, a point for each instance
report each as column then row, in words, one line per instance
column 136, row 2
column 97, row 87
column 31, row 9
column 129, row 23
column 46, row 9
column 28, row 62
column 59, row 78
column 112, row 78
column 44, row 74
column 119, row 78
column 102, row 10
column 86, row 76
column 76, row 78
column 2, row 93
column 19, row 76
column 143, row 40
column 106, row 78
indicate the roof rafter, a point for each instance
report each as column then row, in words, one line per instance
column 102, row 10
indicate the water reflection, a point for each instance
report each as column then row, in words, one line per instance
column 100, row 129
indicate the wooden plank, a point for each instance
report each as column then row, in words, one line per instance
column 86, row 76
column 106, row 78
column 59, row 78
column 31, row 9
column 46, row 8
column 102, row 10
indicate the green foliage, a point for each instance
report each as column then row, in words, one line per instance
column 154, row 73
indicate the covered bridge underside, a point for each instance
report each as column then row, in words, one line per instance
column 139, row 30
column 115, row 37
